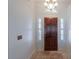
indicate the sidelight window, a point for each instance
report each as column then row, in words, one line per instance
column 62, row 29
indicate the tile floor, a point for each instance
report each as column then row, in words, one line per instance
column 48, row 55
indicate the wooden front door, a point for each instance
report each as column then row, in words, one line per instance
column 50, row 34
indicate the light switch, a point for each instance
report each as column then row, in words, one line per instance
column 19, row 37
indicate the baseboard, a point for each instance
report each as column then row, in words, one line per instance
column 31, row 54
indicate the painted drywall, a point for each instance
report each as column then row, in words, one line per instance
column 21, row 18
column 68, row 44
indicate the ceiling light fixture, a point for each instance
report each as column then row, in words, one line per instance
column 51, row 4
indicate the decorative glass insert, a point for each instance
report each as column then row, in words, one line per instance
column 62, row 28
column 39, row 28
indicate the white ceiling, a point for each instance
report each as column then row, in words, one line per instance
column 62, row 4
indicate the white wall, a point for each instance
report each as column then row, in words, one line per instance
column 67, row 32
column 21, row 19
column 68, row 44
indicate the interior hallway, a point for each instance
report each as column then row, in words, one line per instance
column 24, row 16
